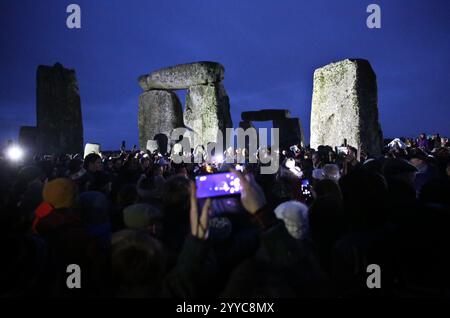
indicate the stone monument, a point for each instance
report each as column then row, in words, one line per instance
column 345, row 106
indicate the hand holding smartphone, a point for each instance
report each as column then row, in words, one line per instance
column 215, row 185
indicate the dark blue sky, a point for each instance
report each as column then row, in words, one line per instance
column 269, row 49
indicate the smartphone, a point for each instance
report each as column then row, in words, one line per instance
column 342, row 150
column 216, row 185
column 306, row 188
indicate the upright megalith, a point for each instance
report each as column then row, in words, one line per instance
column 183, row 76
column 266, row 115
column 290, row 129
column 290, row 132
column 245, row 125
column 344, row 106
column 28, row 137
column 58, row 107
column 207, row 109
column 207, row 112
column 160, row 112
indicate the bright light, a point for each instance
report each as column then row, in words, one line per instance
column 14, row 153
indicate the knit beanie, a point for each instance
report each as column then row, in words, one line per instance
column 59, row 193
column 139, row 216
column 295, row 217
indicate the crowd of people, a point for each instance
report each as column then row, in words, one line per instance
column 133, row 224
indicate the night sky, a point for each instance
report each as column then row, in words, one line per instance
column 269, row 50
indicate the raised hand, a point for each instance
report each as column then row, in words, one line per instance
column 252, row 196
column 199, row 225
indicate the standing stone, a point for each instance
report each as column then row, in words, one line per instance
column 28, row 137
column 58, row 107
column 183, row 76
column 246, row 125
column 344, row 106
column 152, row 145
column 265, row 114
column 160, row 112
column 290, row 132
column 207, row 111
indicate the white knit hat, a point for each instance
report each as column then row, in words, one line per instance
column 295, row 217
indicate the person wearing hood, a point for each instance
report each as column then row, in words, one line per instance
column 94, row 210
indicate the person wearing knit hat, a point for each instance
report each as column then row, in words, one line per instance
column 60, row 193
column 142, row 216
column 295, row 217
column 57, row 194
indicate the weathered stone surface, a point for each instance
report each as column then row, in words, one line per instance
column 265, row 115
column 159, row 113
column 246, row 124
column 152, row 145
column 207, row 111
column 28, row 137
column 183, row 76
column 290, row 132
column 344, row 105
column 58, row 109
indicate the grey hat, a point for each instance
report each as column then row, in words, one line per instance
column 139, row 216
column 295, row 217
column 331, row 171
